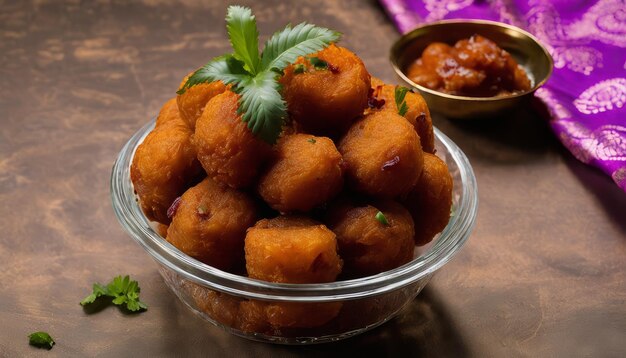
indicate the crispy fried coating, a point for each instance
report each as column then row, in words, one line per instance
column 192, row 102
column 291, row 254
column 209, row 223
column 227, row 149
column 326, row 101
column 305, row 173
column 367, row 245
column 290, row 249
column 260, row 316
column 221, row 307
column 164, row 164
column 417, row 114
column 430, row 200
column 382, row 155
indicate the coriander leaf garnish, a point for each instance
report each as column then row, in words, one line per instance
column 262, row 106
column 318, row 63
column 41, row 340
column 299, row 68
column 121, row 290
column 285, row 46
column 254, row 76
column 311, row 140
column 381, row 218
column 244, row 36
column 400, row 94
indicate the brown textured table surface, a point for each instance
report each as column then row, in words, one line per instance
column 544, row 273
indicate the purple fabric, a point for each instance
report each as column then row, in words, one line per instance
column 587, row 91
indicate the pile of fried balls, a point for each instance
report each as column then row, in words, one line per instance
column 349, row 189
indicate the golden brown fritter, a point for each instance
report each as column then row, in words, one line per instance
column 292, row 254
column 290, row 249
column 227, row 149
column 164, row 164
column 221, row 307
column 430, row 200
column 367, row 245
column 326, row 101
column 305, row 173
column 382, row 155
column 417, row 114
column 192, row 102
column 209, row 224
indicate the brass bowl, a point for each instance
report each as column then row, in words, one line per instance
column 524, row 47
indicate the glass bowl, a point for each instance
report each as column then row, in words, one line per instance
column 297, row 313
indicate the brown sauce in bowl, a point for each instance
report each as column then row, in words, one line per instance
column 474, row 67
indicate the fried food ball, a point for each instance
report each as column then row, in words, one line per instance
column 430, row 200
column 417, row 113
column 227, row 149
column 261, row 316
column 367, row 245
column 325, row 101
column 162, row 229
column 291, row 254
column 382, row 155
column 221, row 307
column 209, row 224
column 284, row 221
column 164, row 164
column 290, row 249
column 305, row 173
column 192, row 102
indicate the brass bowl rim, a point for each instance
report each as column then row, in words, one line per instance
column 409, row 36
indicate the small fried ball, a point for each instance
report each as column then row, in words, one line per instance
column 209, row 224
column 417, row 111
column 192, row 102
column 325, row 101
column 221, row 307
column 369, row 245
column 256, row 316
column 382, row 155
column 227, row 149
column 164, row 164
column 430, row 200
column 291, row 254
column 305, row 173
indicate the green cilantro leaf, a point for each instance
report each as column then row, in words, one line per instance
column 122, row 290
column 299, row 68
column 41, row 340
column 225, row 68
column 400, row 94
column 381, row 218
column 262, row 106
column 244, row 36
column 285, row 46
column 254, row 76
column 98, row 291
column 311, row 140
column 318, row 63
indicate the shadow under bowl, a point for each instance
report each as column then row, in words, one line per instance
column 524, row 47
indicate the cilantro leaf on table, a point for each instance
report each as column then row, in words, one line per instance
column 400, row 94
column 254, row 76
column 41, row 340
column 122, row 291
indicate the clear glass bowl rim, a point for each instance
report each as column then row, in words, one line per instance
column 446, row 246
